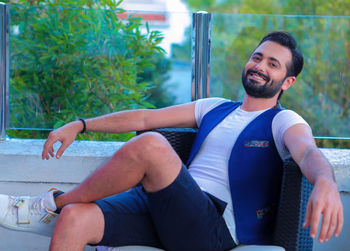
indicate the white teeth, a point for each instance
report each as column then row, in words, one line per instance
column 258, row 77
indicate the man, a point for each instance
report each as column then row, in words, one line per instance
column 210, row 206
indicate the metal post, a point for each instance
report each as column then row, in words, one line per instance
column 4, row 68
column 201, row 22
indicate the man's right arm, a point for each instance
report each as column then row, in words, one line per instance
column 143, row 119
column 122, row 122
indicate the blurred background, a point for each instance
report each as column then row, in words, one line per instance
column 84, row 58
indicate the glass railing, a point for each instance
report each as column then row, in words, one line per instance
column 321, row 93
column 68, row 63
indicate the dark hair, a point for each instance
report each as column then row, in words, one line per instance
column 287, row 40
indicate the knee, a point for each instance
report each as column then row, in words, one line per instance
column 152, row 140
column 70, row 215
column 81, row 216
column 83, row 221
column 77, row 215
column 150, row 143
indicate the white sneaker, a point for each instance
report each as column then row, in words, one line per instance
column 31, row 214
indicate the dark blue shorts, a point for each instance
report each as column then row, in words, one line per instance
column 178, row 217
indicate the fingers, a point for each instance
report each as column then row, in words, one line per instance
column 325, row 226
column 332, row 217
column 315, row 219
column 308, row 215
column 332, row 226
column 51, row 152
column 340, row 218
column 332, row 223
column 61, row 150
column 48, row 147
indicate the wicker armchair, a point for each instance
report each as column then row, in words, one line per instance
column 295, row 192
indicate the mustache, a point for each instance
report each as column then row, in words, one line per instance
column 250, row 71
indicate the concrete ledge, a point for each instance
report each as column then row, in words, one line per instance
column 340, row 161
column 20, row 161
column 23, row 172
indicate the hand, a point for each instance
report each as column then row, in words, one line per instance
column 65, row 134
column 325, row 200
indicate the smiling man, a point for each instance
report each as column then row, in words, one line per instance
column 227, row 195
column 256, row 82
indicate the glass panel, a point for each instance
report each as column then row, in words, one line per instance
column 321, row 93
column 68, row 63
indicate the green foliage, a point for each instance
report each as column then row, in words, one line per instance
column 236, row 6
column 333, row 143
column 286, row 7
column 69, row 62
column 157, row 97
column 321, row 93
column 43, row 134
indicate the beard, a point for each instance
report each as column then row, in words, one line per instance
column 257, row 90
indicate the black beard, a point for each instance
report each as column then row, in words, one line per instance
column 268, row 90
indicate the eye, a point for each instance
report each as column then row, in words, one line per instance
column 273, row 65
column 255, row 58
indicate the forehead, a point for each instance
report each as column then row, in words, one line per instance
column 274, row 50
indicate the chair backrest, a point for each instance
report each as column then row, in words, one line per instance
column 181, row 139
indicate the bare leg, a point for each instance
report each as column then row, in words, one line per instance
column 148, row 158
column 78, row 225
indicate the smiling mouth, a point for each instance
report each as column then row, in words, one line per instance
column 257, row 76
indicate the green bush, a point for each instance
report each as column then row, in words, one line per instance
column 68, row 62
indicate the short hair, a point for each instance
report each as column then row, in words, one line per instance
column 287, row 40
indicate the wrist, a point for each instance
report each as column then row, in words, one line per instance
column 83, row 124
column 325, row 181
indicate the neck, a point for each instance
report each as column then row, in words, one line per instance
column 251, row 104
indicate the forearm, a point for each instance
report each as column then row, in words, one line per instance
column 325, row 198
column 118, row 122
column 143, row 119
column 315, row 166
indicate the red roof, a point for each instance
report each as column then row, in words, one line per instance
column 145, row 16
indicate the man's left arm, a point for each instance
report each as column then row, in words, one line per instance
column 325, row 198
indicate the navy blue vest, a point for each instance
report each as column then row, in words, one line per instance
column 255, row 173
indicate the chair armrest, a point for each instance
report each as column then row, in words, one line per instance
column 295, row 192
column 181, row 139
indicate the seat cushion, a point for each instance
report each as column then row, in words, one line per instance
column 258, row 248
column 239, row 248
column 128, row 248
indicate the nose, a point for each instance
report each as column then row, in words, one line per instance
column 260, row 66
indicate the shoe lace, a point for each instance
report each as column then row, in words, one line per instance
column 12, row 205
column 35, row 206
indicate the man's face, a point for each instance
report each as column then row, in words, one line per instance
column 266, row 70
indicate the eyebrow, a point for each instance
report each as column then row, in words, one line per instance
column 270, row 58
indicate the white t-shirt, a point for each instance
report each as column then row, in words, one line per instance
column 210, row 166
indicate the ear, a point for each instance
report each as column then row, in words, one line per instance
column 288, row 82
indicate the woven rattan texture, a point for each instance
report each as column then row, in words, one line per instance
column 295, row 192
column 181, row 139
